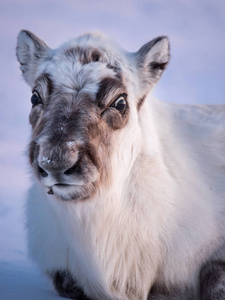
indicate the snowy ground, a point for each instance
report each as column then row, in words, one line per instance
column 195, row 75
column 19, row 278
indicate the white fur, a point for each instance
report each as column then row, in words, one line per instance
column 161, row 217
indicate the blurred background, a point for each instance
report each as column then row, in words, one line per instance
column 195, row 75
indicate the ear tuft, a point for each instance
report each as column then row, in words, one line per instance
column 28, row 51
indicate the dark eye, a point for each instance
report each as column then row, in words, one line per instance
column 120, row 103
column 35, row 99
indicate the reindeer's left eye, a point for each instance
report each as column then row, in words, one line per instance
column 120, row 103
column 35, row 99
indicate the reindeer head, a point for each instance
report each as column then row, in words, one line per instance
column 86, row 97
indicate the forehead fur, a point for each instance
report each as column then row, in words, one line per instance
column 95, row 47
column 82, row 63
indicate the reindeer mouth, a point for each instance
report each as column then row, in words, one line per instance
column 71, row 192
column 52, row 189
column 62, row 185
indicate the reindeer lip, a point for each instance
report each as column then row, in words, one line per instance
column 62, row 184
column 71, row 192
column 59, row 185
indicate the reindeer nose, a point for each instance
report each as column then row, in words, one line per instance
column 42, row 172
column 74, row 169
column 45, row 171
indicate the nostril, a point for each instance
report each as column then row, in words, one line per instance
column 42, row 172
column 74, row 169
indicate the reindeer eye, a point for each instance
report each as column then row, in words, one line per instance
column 120, row 103
column 35, row 99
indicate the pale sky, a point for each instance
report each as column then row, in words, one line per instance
column 196, row 73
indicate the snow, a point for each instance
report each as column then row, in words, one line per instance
column 19, row 277
column 20, row 280
column 196, row 32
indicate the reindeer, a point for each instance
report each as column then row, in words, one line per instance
column 128, row 195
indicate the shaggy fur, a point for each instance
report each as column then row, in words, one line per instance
column 128, row 200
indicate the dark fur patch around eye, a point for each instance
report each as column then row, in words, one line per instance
column 107, row 86
column 47, row 81
column 114, row 119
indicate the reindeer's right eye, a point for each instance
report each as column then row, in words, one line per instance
column 35, row 99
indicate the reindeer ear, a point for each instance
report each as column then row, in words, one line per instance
column 152, row 59
column 30, row 49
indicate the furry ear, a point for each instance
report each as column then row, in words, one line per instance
column 152, row 59
column 30, row 49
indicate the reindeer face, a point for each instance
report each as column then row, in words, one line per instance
column 85, row 101
column 72, row 131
